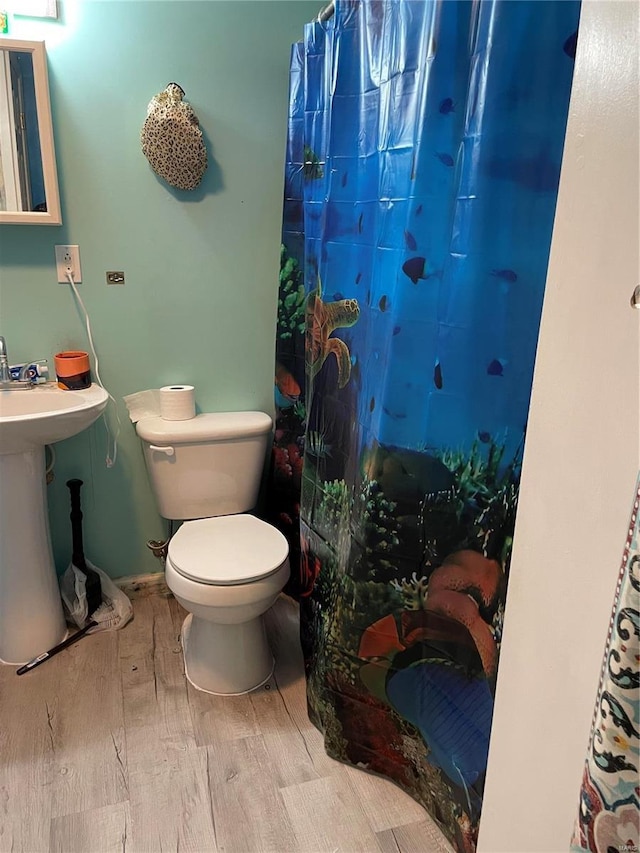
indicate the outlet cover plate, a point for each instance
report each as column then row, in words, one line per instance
column 68, row 259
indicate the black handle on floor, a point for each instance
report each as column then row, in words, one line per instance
column 32, row 664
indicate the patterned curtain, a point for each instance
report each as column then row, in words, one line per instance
column 423, row 159
column 609, row 810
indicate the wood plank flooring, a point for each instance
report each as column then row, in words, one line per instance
column 106, row 747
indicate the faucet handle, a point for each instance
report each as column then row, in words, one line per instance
column 25, row 373
column 32, row 371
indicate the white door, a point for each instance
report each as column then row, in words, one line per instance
column 581, row 456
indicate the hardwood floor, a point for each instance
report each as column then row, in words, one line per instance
column 106, row 747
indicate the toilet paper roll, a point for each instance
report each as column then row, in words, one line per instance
column 177, row 402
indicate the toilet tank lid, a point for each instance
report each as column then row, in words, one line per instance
column 218, row 426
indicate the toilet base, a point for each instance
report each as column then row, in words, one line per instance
column 226, row 659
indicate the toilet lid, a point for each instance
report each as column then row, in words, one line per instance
column 229, row 549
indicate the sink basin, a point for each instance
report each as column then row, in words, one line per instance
column 46, row 414
column 31, row 617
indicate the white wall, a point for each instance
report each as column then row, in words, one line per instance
column 581, row 457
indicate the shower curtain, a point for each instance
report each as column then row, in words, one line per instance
column 424, row 147
column 609, row 805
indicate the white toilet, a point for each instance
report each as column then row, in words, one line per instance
column 226, row 568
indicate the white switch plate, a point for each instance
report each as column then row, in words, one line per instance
column 68, row 261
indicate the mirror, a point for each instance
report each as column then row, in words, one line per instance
column 28, row 176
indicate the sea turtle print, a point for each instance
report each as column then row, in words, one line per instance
column 323, row 318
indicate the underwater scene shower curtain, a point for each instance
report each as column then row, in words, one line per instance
column 424, row 148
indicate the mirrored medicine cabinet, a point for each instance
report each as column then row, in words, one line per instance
column 28, row 177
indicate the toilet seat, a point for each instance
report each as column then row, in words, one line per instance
column 227, row 550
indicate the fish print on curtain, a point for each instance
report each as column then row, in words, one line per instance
column 609, row 808
column 285, row 482
column 423, row 157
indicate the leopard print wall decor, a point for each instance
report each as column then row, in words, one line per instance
column 172, row 140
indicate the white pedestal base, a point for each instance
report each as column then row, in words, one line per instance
column 226, row 660
column 31, row 616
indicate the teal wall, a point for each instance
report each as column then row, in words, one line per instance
column 199, row 303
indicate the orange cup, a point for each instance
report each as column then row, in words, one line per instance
column 72, row 370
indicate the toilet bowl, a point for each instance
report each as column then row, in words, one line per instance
column 225, row 567
column 226, row 572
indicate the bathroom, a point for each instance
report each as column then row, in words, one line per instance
column 199, row 306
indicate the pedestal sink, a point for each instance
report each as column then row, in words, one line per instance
column 31, row 618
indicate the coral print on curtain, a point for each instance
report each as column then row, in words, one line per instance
column 424, row 150
column 609, row 809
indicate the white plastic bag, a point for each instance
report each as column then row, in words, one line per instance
column 114, row 612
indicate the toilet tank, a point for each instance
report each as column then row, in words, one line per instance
column 205, row 466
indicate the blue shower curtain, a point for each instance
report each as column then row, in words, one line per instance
column 423, row 158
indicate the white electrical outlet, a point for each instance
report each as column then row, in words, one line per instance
column 68, row 261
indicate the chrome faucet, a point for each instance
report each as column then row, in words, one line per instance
column 5, row 375
column 6, row 382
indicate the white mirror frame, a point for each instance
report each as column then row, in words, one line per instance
column 53, row 215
